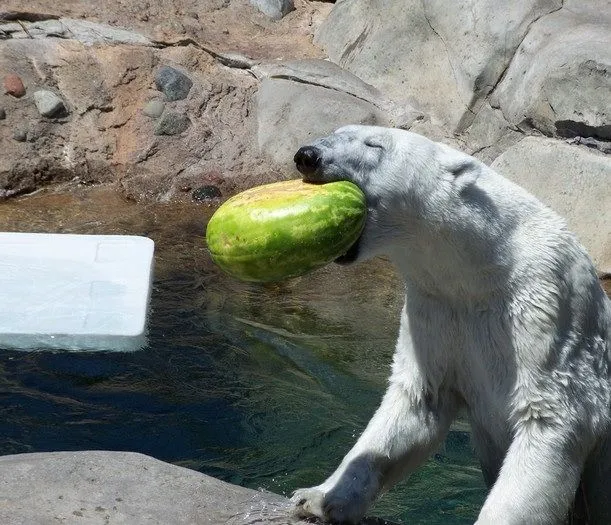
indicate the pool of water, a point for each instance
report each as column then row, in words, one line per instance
column 260, row 385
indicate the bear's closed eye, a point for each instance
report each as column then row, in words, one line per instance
column 373, row 143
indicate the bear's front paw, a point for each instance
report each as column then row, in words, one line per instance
column 309, row 503
column 332, row 506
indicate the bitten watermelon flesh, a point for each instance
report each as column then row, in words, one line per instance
column 285, row 229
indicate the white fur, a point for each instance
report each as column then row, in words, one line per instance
column 503, row 316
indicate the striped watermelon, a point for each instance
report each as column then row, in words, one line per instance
column 285, row 229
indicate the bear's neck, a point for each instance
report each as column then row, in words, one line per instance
column 464, row 273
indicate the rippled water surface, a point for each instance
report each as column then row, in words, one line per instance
column 261, row 385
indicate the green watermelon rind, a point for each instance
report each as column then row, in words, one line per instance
column 283, row 230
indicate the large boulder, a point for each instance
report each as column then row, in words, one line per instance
column 126, row 488
column 301, row 100
column 322, row 73
column 573, row 180
column 443, row 57
column 559, row 80
column 97, row 487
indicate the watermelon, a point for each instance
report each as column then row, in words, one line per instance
column 285, row 229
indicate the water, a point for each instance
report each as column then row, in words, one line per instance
column 260, row 385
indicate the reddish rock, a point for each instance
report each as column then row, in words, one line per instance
column 14, row 86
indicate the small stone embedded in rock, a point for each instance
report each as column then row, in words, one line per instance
column 172, row 123
column 20, row 135
column 2, row 114
column 275, row 9
column 236, row 60
column 14, row 86
column 153, row 108
column 48, row 103
column 172, row 83
column 205, row 193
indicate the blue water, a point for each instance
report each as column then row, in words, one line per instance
column 264, row 386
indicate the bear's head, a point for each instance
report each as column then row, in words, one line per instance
column 432, row 209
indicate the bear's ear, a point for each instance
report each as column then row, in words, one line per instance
column 466, row 171
column 460, row 168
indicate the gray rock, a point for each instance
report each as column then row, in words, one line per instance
column 604, row 146
column 560, row 79
column 89, row 32
column 154, row 108
column 2, row 113
column 20, row 135
column 48, row 103
column 489, row 134
column 275, row 9
column 437, row 55
column 174, row 84
column 573, row 180
column 319, row 73
column 235, row 60
column 328, row 75
column 172, row 123
column 115, row 488
column 291, row 113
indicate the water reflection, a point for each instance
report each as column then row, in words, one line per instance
column 262, row 385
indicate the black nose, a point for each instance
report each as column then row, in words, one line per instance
column 307, row 159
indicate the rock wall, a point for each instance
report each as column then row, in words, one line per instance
column 117, row 123
column 507, row 82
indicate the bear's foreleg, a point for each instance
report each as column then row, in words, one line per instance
column 538, row 479
column 402, row 433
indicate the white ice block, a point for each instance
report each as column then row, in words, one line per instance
column 74, row 292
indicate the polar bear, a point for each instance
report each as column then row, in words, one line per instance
column 504, row 317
